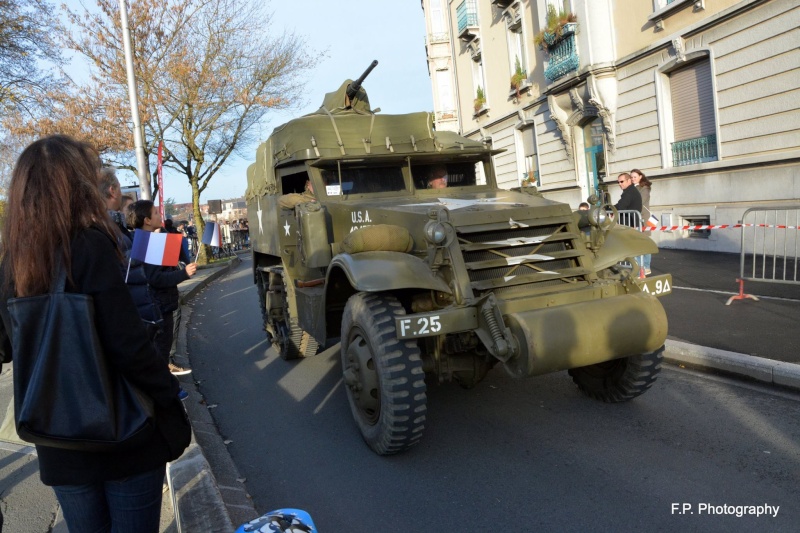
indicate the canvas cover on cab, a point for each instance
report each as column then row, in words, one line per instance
column 338, row 130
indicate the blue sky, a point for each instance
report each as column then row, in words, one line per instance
column 347, row 37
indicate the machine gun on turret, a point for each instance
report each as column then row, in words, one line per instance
column 354, row 87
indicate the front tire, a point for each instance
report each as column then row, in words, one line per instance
column 383, row 375
column 619, row 380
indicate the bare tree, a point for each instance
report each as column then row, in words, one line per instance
column 208, row 72
column 26, row 29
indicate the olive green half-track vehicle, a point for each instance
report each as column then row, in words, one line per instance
column 352, row 244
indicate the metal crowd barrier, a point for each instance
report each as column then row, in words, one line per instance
column 770, row 236
column 633, row 219
column 630, row 218
column 770, row 248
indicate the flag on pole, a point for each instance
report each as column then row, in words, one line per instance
column 651, row 222
column 156, row 248
column 161, row 180
column 211, row 235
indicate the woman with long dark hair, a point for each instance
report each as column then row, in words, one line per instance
column 57, row 177
column 644, row 185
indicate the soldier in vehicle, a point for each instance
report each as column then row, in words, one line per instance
column 438, row 177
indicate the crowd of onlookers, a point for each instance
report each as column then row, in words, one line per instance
column 85, row 250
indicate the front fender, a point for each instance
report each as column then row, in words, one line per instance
column 620, row 243
column 380, row 271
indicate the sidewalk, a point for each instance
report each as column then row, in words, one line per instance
column 750, row 339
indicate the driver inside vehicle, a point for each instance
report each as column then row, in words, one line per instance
column 437, row 179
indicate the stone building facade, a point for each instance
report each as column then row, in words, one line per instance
column 701, row 95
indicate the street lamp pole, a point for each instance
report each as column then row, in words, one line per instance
column 138, row 136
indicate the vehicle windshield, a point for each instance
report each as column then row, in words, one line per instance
column 363, row 179
column 445, row 175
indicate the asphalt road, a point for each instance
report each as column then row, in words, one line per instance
column 509, row 455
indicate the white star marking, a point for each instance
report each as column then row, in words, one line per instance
column 286, row 227
column 260, row 223
column 457, row 203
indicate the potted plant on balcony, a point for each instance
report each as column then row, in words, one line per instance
column 518, row 78
column 480, row 99
column 557, row 25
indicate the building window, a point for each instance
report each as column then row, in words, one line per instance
column 692, row 220
column 530, row 174
column 559, row 6
column 518, row 62
column 693, row 117
column 444, row 88
column 480, row 86
column 438, row 28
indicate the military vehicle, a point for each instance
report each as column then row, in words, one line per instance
column 353, row 243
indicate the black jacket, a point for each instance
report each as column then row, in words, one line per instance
column 164, row 282
column 631, row 200
column 96, row 272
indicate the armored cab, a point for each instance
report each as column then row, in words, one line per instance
column 391, row 238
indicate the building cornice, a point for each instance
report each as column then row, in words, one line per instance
column 691, row 30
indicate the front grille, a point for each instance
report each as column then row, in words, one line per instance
column 525, row 260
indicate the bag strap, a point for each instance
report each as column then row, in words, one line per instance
column 60, row 277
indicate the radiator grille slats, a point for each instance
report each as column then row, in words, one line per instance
column 540, row 256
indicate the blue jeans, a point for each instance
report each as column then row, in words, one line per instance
column 130, row 505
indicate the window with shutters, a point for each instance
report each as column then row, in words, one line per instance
column 693, row 114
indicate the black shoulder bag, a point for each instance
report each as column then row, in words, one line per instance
column 66, row 394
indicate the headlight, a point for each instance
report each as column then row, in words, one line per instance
column 600, row 216
column 435, row 232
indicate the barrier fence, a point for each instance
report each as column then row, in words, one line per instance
column 770, row 249
column 632, row 219
column 770, row 243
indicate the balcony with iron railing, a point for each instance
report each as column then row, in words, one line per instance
column 467, row 17
column 434, row 38
column 563, row 53
column 694, row 151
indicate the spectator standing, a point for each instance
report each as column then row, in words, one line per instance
column 163, row 280
column 112, row 195
column 643, row 185
column 176, row 315
column 117, row 490
column 631, row 199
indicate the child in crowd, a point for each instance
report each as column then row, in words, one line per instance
column 163, row 280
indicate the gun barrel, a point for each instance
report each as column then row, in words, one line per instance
column 356, row 85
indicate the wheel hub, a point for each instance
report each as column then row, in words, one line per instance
column 361, row 378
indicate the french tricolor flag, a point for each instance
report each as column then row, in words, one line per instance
column 211, row 235
column 156, row 248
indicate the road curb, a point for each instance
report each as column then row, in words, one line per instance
column 736, row 364
column 197, row 494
